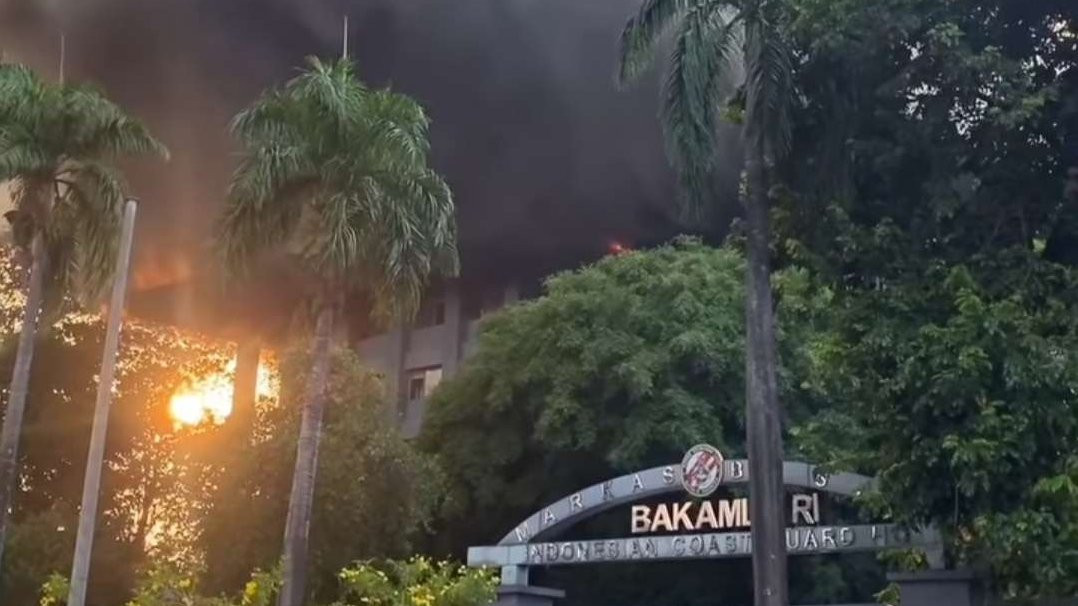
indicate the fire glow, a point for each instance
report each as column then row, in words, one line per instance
column 209, row 399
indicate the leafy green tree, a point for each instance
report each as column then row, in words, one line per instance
column 158, row 475
column 963, row 403
column 711, row 38
column 38, row 546
column 336, row 174
column 618, row 366
column 927, row 189
column 937, row 122
column 58, row 144
column 373, row 494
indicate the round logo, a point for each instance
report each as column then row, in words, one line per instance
column 701, row 470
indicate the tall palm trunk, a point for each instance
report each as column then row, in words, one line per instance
column 298, row 525
column 244, row 392
column 764, row 415
column 20, row 382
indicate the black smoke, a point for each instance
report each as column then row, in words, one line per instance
column 549, row 162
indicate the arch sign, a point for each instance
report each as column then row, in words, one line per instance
column 694, row 526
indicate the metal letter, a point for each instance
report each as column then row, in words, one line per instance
column 737, row 470
column 681, row 518
column 678, row 546
column 651, row 548
column 576, row 502
column 696, row 544
column 668, row 475
column 608, row 490
column 706, row 516
column 730, row 513
column 661, row 521
column 641, row 519
column 638, row 484
column 713, row 546
column 548, row 517
column 523, row 532
column 846, row 536
column 583, row 551
column 828, row 537
column 801, row 505
column 568, row 552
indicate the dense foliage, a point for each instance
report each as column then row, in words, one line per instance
column 155, row 475
column 618, row 366
column 930, row 194
column 217, row 498
column 373, row 492
column 926, row 229
column 417, row 581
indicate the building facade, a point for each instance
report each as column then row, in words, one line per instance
column 414, row 359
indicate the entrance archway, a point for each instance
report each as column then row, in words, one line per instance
column 689, row 529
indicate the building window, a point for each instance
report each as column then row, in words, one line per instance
column 421, row 382
column 431, row 313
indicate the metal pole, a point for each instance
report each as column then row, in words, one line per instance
column 344, row 43
column 80, row 569
column 63, row 55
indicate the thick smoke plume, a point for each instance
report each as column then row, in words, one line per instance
column 548, row 161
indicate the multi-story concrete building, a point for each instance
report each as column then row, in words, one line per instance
column 415, row 358
column 412, row 359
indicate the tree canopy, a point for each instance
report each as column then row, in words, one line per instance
column 58, row 147
column 336, row 174
column 618, row 366
column 928, row 191
column 374, row 493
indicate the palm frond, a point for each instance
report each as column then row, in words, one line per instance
column 337, row 174
column 18, row 159
column 706, row 47
column 769, row 87
column 56, row 143
column 96, row 197
column 642, row 32
column 96, row 127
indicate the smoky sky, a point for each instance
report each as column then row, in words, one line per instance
column 547, row 159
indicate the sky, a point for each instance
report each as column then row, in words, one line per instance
column 548, row 160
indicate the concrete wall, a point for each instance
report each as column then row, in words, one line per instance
column 398, row 353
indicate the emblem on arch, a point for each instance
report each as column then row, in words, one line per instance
column 701, row 470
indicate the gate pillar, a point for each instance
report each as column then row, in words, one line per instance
column 939, row 588
column 527, row 595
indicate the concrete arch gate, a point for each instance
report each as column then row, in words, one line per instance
column 704, row 529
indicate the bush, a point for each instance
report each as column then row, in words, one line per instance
column 415, row 582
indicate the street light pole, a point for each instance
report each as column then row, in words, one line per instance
column 80, row 568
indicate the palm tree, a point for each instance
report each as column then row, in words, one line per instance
column 57, row 148
column 335, row 174
column 710, row 38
